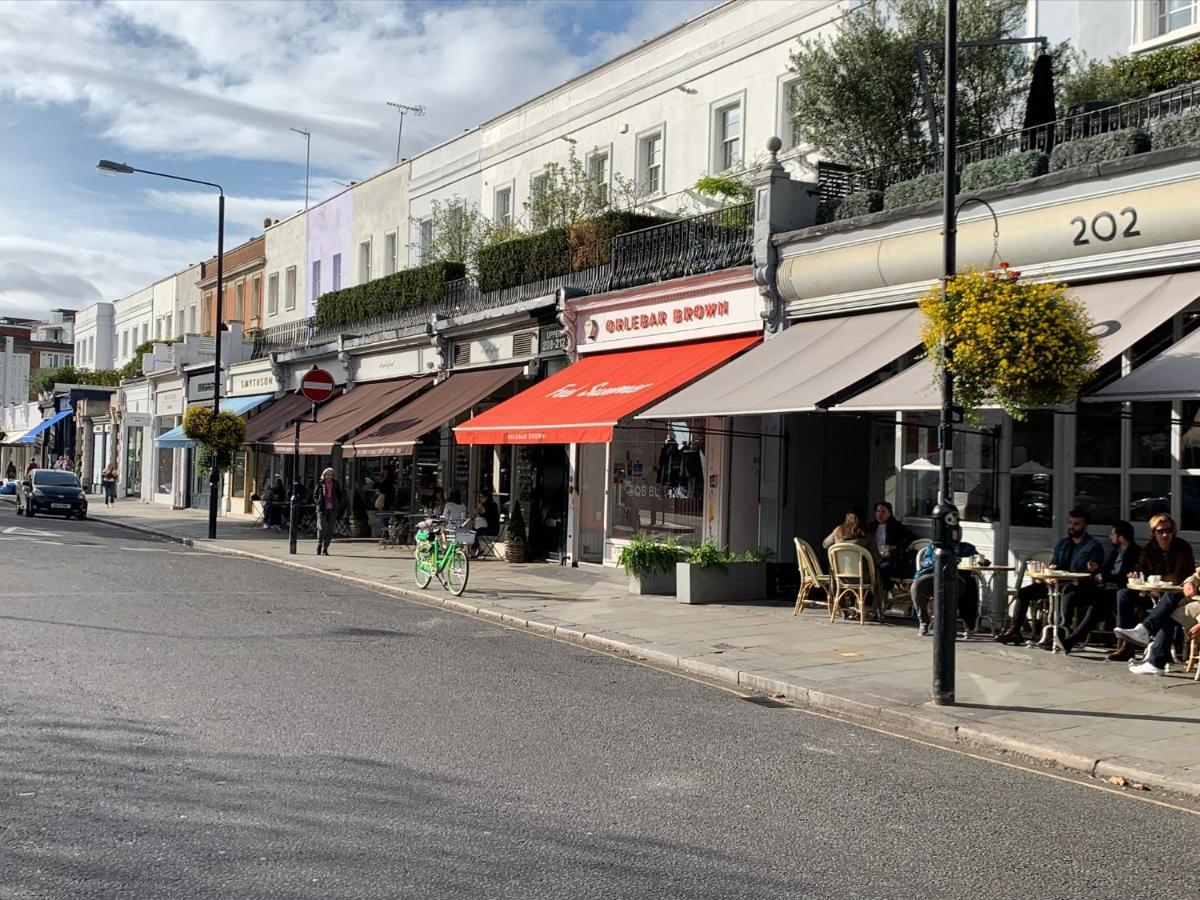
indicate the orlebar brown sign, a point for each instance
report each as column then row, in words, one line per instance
column 725, row 313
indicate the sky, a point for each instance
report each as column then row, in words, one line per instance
column 209, row 90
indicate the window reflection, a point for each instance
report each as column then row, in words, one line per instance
column 1031, row 467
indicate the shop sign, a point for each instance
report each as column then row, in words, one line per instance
column 552, row 339
column 200, row 387
column 666, row 321
column 137, row 420
column 252, row 383
column 379, row 366
column 169, row 403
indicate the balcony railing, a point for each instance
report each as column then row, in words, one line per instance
column 836, row 182
column 705, row 243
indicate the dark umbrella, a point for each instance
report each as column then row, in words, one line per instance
column 1040, row 113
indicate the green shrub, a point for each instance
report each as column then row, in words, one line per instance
column 407, row 289
column 1004, row 170
column 916, row 190
column 591, row 240
column 1130, row 77
column 524, row 259
column 859, row 204
column 643, row 555
column 1175, row 131
column 1100, row 148
column 43, row 380
column 827, row 211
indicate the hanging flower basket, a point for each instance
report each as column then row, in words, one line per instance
column 219, row 435
column 1017, row 345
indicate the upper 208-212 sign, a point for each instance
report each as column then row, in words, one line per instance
column 1106, row 227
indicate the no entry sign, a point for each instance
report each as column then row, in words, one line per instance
column 317, row 385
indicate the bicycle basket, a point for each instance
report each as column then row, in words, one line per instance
column 464, row 536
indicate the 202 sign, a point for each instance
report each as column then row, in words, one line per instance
column 1104, row 226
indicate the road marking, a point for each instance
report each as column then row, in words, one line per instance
column 17, row 529
column 163, row 550
column 30, row 540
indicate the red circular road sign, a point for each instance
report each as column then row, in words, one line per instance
column 317, row 385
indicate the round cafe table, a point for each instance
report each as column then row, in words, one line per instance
column 1056, row 627
column 1154, row 589
column 986, row 576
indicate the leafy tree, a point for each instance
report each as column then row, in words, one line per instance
column 457, row 232
column 45, row 379
column 565, row 195
column 133, row 368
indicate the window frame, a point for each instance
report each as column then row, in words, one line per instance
column 273, row 294
column 315, row 287
column 335, row 276
column 290, row 287
column 605, row 184
column 239, row 301
column 718, row 142
column 424, row 237
column 643, row 166
column 367, row 245
column 541, row 176
column 391, row 261
column 508, row 188
column 785, row 127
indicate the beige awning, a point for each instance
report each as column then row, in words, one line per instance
column 1124, row 312
column 1172, row 375
column 809, row 362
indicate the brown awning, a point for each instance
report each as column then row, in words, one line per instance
column 398, row 433
column 280, row 414
column 354, row 410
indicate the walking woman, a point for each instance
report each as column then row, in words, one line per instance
column 329, row 501
column 108, row 480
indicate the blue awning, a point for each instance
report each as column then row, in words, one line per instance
column 32, row 434
column 176, row 439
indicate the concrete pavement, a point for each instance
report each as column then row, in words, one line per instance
column 1080, row 713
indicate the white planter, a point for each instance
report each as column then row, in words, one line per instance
column 656, row 582
column 743, row 581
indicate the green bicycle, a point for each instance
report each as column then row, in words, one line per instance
column 436, row 554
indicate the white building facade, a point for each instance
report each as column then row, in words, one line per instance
column 133, row 322
column 94, row 332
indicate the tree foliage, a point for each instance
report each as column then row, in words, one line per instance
column 858, row 98
column 43, row 382
column 565, row 195
column 457, row 232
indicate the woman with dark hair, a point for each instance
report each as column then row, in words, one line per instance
column 1111, row 576
column 892, row 538
column 853, row 530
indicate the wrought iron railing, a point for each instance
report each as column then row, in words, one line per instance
column 836, row 182
column 708, row 242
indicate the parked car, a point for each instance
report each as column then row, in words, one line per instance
column 54, row 492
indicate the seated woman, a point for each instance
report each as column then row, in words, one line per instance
column 1166, row 555
column 892, row 538
column 454, row 510
column 968, row 588
column 852, row 530
column 487, row 518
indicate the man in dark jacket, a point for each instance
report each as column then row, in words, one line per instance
column 1111, row 577
column 329, row 501
column 892, row 537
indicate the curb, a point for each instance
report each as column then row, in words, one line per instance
column 859, row 712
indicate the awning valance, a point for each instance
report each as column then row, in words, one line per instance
column 348, row 414
column 397, row 434
column 1172, row 375
column 794, row 372
column 1124, row 313
column 278, row 415
column 585, row 401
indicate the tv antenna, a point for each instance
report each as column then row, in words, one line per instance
column 402, row 109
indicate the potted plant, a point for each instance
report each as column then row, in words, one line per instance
column 360, row 524
column 516, row 541
column 649, row 564
column 710, row 575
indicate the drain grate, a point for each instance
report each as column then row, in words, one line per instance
column 767, row 702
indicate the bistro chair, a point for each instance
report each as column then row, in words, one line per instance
column 811, row 576
column 852, row 572
column 1037, row 609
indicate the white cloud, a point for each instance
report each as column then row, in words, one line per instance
column 248, row 212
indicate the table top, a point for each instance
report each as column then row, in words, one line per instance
column 1160, row 588
column 969, row 567
column 1055, row 575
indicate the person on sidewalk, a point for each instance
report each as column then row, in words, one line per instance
column 108, row 481
column 1159, row 628
column 892, row 538
column 1100, row 604
column 329, row 501
column 968, row 588
column 10, row 474
column 455, row 510
column 1165, row 554
column 1077, row 552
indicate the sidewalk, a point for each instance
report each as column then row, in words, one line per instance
column 1079, row 713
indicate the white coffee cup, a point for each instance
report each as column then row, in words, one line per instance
column 1153, row 579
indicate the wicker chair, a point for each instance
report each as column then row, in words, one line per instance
column 852, row 571
column 1037, row 610
column 811, row 576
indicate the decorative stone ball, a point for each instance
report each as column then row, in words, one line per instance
column 774, row 145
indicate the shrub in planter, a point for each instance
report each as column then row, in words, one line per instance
column 650, row 565
column 1004, row 170
column 1176, row 131
column 591, row 239
column 407, row 289
column 708, row 574
column 1015, row 344
column 1099, row 148
column 860, row 203
column 516, row 541
column 524, row 259
column 916, row 190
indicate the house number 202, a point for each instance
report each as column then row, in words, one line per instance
column 1105, row 227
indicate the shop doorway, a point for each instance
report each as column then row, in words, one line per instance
column 548, row 504
column 592, row 478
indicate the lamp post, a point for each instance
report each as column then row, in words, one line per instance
column 108, row 167
column 945, row 514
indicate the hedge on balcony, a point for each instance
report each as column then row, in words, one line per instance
column 916, row 190
column 860, row 203
column 1004, row 170
column 1100, row 148
column 524, row 259
column 591, row 240
column 1175, row 131
column 422, row 286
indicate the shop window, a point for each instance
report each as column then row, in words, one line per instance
column 133, row 462
column 1031, row 468
column 164, row 462
column 658, row 479
column 1100, row 494
column 1098, row 435
column 1189, row 506
column 239, row 475
column 1149, row 495
column 1150, row 446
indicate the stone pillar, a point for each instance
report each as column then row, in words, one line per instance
column 84, row 445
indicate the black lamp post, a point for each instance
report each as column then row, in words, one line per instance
column 108, row 167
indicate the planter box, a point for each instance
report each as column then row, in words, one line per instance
column 656, row 582
column 743, row 581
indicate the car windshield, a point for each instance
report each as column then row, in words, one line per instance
column 57, row 479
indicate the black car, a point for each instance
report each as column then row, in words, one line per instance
column 52, row 491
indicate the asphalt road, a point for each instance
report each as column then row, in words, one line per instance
column 176, row 724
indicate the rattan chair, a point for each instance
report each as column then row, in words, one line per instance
column 852, row 572
column 811, row 576
column 1037, row 610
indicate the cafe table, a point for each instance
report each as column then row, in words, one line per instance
column 986, row 576
column 1054, row 580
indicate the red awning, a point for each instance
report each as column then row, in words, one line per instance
column 585, row 401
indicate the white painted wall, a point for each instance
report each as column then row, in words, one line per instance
column 133, row 321
column 286, row 246
column 380, row 208
column 94, row 330
column 188, row 302
column 163, row 323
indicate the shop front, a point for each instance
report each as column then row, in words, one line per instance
column 166, row 470
column 625, row 476
column 135, row 422
column 252, row 470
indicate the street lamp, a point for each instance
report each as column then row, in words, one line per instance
column 108, row 167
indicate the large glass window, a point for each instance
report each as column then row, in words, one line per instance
column 658, row 478
column 164, row 459
column 133, row 462
column 1151, row 436
column 1031, row 468
column 1098, row 435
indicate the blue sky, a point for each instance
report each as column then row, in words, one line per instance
column 210, row 89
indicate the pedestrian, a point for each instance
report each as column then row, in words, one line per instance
column 29, row 467
column 329, row 501
column 108, row 480
column 10, row 474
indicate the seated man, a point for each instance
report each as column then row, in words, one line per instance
column 1168, row 614
column 1166, row 555
column 1077, row 552
column 968, row 588
column 1099, row 605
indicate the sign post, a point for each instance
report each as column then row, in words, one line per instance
column 316, row 386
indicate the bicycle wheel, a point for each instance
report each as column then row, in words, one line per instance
column 423, row 567
column 458, row 569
